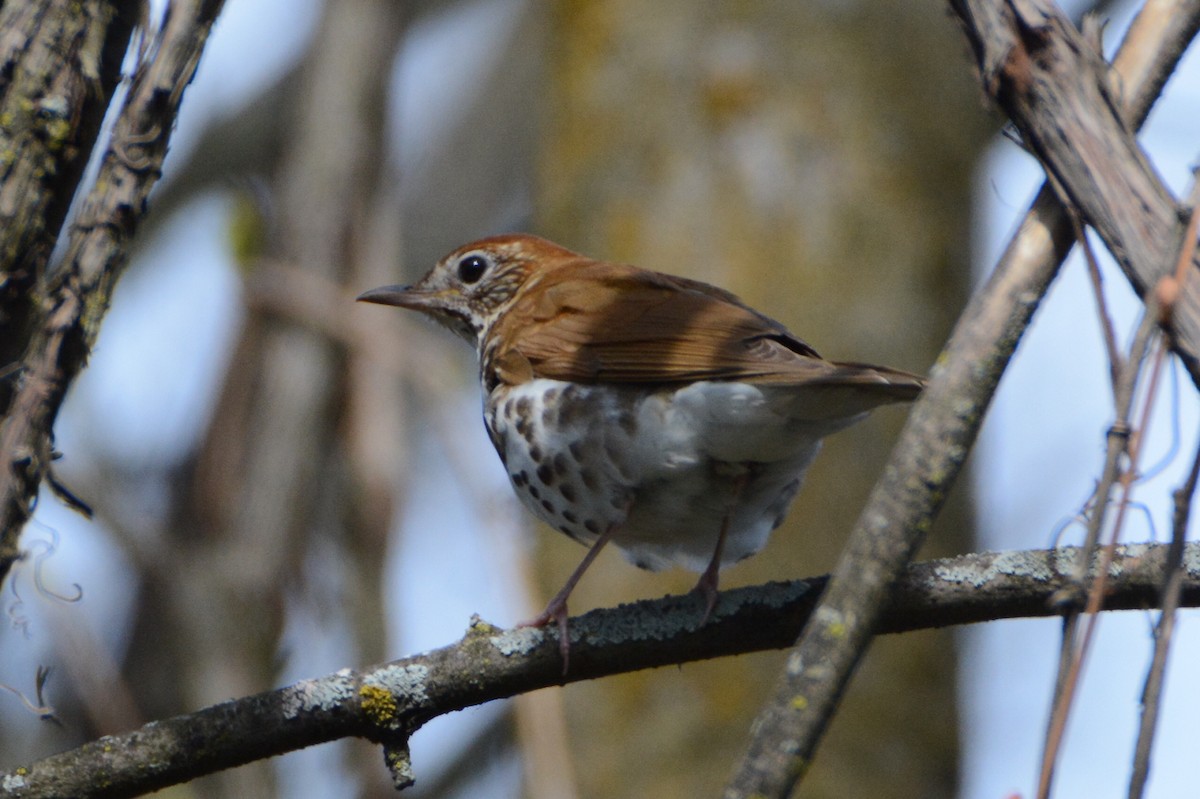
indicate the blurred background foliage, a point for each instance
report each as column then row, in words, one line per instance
column 287, row 483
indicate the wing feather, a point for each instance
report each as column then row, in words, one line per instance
column 595, row 322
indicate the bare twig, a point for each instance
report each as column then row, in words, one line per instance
column 1074, row 649
column 1124, row 445
column 1171, row 591
column 1170, row 287
column 1152, row 691
column 1106, row 325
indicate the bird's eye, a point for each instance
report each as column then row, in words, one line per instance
column 471, row 268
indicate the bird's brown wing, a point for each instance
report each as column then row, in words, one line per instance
column 610, row 323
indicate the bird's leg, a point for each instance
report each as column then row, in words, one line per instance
column 707, row 584
column 556, row 611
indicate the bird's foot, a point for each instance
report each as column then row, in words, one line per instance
column 555, row 612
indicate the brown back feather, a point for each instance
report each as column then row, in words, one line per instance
column 595, row 322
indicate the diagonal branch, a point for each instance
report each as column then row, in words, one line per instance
column 78, row 296
column 388, row 702
column 941, row 429
column 1057, row 90
column 60, row 61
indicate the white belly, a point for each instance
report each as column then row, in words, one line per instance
column 665, row 471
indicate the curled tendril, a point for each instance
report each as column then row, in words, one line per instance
column 1062, row 526
column 1144, row 509
column 48, row 548
column 15, row 612
column 16, row 615
column 1176, row 437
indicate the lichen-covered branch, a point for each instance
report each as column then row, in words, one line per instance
column 60, row 61
column 387, row 703
column 72, row 304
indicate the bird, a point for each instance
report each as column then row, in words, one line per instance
column 631, row 407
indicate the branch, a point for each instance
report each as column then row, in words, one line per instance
column 1058, row 92
column 77, row 297
column 60, row 61
column 929, row 454
column 1163, row 631
column 387, row 703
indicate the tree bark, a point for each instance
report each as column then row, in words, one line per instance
column 59, row 65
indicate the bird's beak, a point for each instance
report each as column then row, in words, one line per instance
column 399, row 296
column 442, row 305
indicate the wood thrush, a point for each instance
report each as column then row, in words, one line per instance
column 659, row 413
